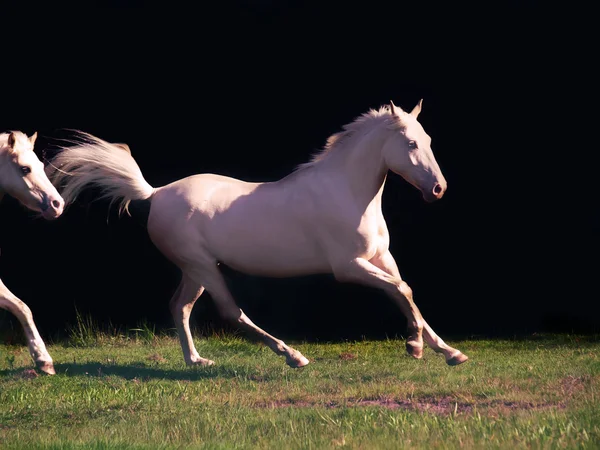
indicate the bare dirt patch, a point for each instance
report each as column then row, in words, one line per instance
column 571, row 385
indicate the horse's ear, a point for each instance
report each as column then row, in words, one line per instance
column 393, row 108
column 124, row 147
column 11, row 140
column 33, row 138
column 417, row 109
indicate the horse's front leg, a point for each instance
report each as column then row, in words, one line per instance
column 453, row 357
column 361, row 271
column 36, row 345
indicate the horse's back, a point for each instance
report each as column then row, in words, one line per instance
column 198, row 196
column 253, row 227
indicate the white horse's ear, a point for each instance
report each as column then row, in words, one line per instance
column 11, row 140
column 393, row 108
column 417, row 109
column 33, row 138
column 124, row 147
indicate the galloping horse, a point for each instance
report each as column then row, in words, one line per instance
column 324, row 217
column 22, row 176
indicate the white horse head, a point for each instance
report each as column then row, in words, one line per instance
column 22, row 175
column 408, row 153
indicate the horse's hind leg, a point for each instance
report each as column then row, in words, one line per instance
column 208, row 275
column 181, row 307
column 453, row 357
column 36, row 345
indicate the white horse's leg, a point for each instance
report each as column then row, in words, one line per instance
column 36, row 345
column 181, row 307
column 359, row 270
column 453, row 357
column 210, row 277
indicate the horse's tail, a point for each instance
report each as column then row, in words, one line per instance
column 94, row 162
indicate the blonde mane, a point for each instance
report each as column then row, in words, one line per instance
column 361, row 126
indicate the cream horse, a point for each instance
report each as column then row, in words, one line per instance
column 325, row 217
column 22, row 176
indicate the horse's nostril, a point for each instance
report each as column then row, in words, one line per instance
column 56, row 204
column 437, row 189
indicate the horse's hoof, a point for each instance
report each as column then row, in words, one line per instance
column 457, row 359
column 46, row 367
column 414, row 349
column 202, row 362
column 296, row 361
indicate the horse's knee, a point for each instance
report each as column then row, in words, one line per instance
column 405, row 289
column 19, row 308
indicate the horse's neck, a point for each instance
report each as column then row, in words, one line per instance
column 362, row 167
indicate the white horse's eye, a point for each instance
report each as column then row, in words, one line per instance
column 412, row 144
column 25, row 170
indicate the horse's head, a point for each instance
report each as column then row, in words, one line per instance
column 22, row 176
column 408, row 153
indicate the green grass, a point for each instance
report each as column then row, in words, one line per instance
column 135, row 392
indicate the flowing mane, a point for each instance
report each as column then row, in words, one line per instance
column 360, row 126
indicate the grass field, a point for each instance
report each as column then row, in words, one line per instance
column 136, row 392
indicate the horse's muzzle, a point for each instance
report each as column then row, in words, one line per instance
column 52, row 208
column 436, row 193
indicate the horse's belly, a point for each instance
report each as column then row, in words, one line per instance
column 270, row 267
column 268, row 252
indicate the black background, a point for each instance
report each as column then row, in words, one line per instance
column 250, row 90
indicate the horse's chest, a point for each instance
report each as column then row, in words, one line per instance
column 365, row 245
column 361, row 238
column 367, row 237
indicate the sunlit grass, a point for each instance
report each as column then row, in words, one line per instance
column 128, row 390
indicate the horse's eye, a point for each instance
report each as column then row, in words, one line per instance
column 412, row 144
column 25, row 170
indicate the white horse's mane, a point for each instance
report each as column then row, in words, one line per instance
column 362, row 125
column 91, row 160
